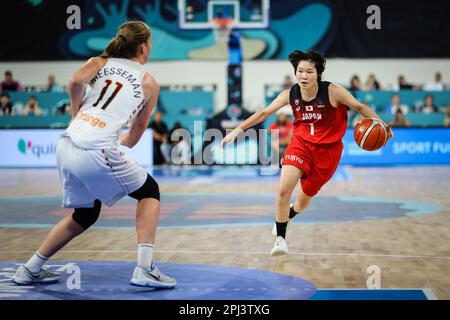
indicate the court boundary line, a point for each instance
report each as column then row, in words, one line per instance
column 358, row 254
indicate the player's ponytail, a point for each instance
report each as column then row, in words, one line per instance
column 115, row 48
column 127, row 40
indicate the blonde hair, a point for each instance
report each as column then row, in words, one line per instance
column 127, row 40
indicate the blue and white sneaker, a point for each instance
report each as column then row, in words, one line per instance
column 152, row 278
column 24, row 276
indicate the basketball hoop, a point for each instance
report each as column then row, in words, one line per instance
column 222, row 28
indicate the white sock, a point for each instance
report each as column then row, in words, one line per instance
column 36, row 262
column 145, row 255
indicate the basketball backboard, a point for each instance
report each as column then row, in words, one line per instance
column 247, row 14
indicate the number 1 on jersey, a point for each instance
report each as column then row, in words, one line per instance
column 311, row 124
column 102, row 93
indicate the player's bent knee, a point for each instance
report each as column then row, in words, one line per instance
column 86, row 217
column 284, row 193
column 149, row 189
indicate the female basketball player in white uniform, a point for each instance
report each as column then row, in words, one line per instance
column 91, row 168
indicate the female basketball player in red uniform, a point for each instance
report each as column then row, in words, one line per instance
column 91, row 168
column 315, row 149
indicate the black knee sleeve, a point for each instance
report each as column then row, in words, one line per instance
column 149, row 189
column 86, row 217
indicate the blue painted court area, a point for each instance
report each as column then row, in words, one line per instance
column 108, row 280
column 213, row 210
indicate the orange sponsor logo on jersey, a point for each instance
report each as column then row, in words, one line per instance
column 92, row 120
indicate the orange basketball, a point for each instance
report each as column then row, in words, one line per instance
column 370, row 134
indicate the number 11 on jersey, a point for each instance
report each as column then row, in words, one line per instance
column 108, row 82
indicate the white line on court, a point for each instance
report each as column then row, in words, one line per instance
column 401, row 256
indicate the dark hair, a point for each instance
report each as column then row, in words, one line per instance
column 127, row 40
column 4, row 94
column 313, row 56
column 354, row 78
column 8, row 73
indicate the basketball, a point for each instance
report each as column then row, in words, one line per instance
column 370, row 134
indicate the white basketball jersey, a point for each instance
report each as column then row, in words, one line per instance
column 116, row 97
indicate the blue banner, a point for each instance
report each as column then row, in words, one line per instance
column 409, row 146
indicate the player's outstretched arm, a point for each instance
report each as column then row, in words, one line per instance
column 340, row 95
column 140, row 123
column 80, row 78
column 258, row 117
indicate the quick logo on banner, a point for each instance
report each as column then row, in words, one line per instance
column 36, row 150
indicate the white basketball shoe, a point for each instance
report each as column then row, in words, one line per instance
column 24, row 276
column 280, row 247
column 152, row 278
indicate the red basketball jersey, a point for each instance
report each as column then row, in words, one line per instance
column 317, row 121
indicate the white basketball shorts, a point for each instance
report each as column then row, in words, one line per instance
column 89, row 174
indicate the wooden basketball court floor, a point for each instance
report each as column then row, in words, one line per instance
column 411, row 250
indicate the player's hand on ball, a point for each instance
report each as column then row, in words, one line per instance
column 389, row 130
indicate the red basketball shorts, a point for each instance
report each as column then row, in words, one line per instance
column 318, row 162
